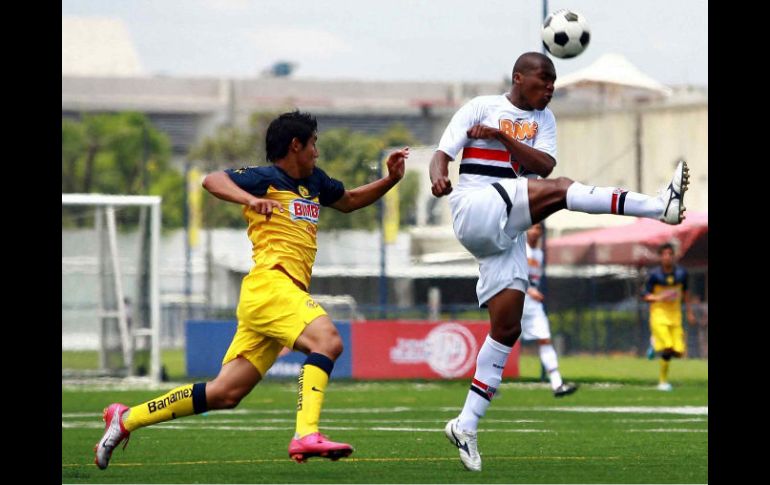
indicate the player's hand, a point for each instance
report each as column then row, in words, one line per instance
column 535, row 294
column 264, row 206
column 397, row 164
column 669, row 295
column 691, row 318
column 441, row 186
column 482, row 132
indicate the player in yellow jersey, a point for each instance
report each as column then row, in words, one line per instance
column 665, row 290
column 281, row 204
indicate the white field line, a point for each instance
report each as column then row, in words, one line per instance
column 684, row 410
column 426, row 459
column 211, row 420
column 96, row 425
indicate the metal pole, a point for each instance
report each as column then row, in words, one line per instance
column 383, row 272
column 155, row 368
column 187, row 247
column 126, row 335
column 102, row 297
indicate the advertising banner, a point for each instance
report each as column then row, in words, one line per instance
column 406, row 349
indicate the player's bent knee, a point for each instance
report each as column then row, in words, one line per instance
column 563, row 183
column 334, row 348
column 507, row 336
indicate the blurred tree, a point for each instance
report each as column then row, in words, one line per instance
column 344, row 154
column 230, row 147
column 352, row 157
column 398, row 136
column 122, row 154
column 73, row 140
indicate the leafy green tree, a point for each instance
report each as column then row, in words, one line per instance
column 121, row 153
column 349, row 156
column 353, row 158
column 397, row 136
column 230, row 147
column 73, row 139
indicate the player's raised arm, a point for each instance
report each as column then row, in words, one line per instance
column 221, row 186
column 366, row 194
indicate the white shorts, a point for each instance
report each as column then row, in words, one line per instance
column 534, row 322
column 483, row 225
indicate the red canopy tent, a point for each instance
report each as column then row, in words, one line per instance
column 633, row 244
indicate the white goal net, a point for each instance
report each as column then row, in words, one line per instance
column 110, row 285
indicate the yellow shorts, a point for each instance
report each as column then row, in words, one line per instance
column 668, row 337
column 272, row 313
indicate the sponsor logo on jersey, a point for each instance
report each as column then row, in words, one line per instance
column 304, row 210
column 519, row 129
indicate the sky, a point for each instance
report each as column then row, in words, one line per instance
column 417, row 40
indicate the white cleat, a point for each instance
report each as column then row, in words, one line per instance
column 664, row 386
column 466, row 442
column 673, row 196
column 114, row 433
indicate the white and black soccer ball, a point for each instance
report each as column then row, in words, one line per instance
column 565, row 33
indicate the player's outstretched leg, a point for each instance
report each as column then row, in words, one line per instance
column 668, row 206
column 467, row 444
column 121, row 420
column 114, row 434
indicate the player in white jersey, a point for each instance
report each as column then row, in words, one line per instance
column 534, row 322
column 507, row 141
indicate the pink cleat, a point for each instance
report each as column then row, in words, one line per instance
column 316, row 444
column 114, row 433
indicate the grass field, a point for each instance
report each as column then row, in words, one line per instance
column 615, row 429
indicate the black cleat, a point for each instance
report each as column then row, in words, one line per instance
column 565, row 390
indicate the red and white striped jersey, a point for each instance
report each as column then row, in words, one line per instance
column 486, row 161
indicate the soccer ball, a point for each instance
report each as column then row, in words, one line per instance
column 565, row 33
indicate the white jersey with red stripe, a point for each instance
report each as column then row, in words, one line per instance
column 487, row 161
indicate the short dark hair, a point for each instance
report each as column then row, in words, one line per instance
column 665, row 246
column 284, row 129
column 529, row 61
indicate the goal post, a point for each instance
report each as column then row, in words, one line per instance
column 111, row 302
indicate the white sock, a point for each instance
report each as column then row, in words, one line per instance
column 551, row 364
column 489, row 373
column 611, row 200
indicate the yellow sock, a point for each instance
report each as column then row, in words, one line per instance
column 176, row 403
column 312, row 382
column 664, row 370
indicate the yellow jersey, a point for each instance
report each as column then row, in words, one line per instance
column 288, row 240
column 673, row 284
